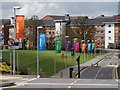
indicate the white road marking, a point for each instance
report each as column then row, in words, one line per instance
column 64, row 84
column 72, row 83
column 112, row 65
column 97, row 73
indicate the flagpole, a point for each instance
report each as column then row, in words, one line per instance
column 38, row 62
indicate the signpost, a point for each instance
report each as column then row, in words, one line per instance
column 11, row 42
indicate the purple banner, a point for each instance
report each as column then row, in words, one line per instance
column 68, row 48
column 77, row 47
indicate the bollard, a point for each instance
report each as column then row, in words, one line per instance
column 70, row 74
column 73, row 74
column 101, row 76
column 61, row 74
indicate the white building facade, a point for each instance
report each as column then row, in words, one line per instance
column 109, row 33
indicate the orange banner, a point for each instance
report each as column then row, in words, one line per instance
column 19, row 26
column 83, row 47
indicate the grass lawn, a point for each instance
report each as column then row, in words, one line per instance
column 28, row 59
column 3, row 82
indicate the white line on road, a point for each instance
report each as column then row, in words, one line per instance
column 97, row 73
column 64, row 84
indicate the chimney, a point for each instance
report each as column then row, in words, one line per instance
column 102, row 15
column 67, row 17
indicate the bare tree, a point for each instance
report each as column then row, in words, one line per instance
column 81, row 26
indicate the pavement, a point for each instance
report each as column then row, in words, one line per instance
column 94, row 61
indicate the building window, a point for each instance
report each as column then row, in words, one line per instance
column 98, row 32
column 109, row 38
column 101, row 31
column 109, row 31
column 53, row 32
column 101, row 37
column 109, row 25
column 119, row 32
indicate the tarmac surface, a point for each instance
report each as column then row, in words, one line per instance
column 101, row 76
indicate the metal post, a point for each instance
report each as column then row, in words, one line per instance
column 84, row 51
column 37, row 57
column 78, row 61
column 55, row 62
column 14, row 56
column 17, row 62
column 11, row 60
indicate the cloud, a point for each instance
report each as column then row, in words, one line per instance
column 60, row 8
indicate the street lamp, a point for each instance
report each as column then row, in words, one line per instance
column 66, row 48
column 38, row 28
column 14, row 56
column 84, row 42
column 74, row 40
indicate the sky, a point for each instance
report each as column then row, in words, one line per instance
column 53, row 7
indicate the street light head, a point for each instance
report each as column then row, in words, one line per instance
column 67, row 36
column 17, row 7
column 39, row 27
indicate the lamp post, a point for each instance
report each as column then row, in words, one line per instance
column 74, row 40
column 38, row 62
column 84, row 42
column 66, row 48
column 14, row 56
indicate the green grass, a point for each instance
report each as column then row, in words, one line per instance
column 3, row 82
column 28, row 59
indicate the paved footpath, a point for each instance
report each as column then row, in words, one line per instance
column 65, row 72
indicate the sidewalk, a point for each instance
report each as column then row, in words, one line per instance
column 65, row 72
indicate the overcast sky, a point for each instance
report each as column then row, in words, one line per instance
column 42, row 9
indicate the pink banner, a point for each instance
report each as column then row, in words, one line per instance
column 77, row 47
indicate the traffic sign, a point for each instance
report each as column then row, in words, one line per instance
column 11, row 42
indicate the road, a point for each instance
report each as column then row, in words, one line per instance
column 69, row 84
column 105, row 70
column 101, row 77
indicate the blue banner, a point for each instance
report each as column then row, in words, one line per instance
column 1, row 37
column 73, row 54
column 89, row 47
column 41, row 42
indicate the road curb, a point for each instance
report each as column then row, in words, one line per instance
column 7, row 84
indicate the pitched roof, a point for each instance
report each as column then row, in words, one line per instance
column 48, row 23
column 100, row 20
column 55, row 17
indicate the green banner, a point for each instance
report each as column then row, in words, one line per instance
column 93, row 46
column 58, row 46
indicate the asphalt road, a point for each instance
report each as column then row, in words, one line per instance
column 69, row 84
column 104, row 70
column 93, row 78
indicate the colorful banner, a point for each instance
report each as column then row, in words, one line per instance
column 93, row 46
column 41, row 42
column 77, row 47
column 73, row 54
column 89, row 47
column 96, row 45
column 68, row 48
column 58, row 46
column 83, row 47
column 19, row 26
